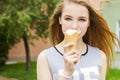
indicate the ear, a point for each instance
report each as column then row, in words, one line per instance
column 60, row 20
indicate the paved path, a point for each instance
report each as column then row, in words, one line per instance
column 4, row 78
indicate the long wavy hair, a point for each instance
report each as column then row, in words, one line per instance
column 97, row 35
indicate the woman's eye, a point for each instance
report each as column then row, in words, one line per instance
column 68, row 19
column 82, row 20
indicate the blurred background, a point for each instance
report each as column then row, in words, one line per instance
column 24, row 34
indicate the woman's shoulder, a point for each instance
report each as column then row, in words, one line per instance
column 93, row 48
column 43, row 53
column 103, row 55
column 47, row 50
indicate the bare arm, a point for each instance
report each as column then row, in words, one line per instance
column 43, row 70
column 104, row 66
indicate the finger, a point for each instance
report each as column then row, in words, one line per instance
column 68, row 57
column 76, row 52
column 74, row 59
column 71, row 60
column 71, row 52
column 73, row 56
column 68, row 46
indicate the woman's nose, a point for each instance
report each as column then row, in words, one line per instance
column 75, row 26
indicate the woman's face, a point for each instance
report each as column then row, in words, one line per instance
column 74, row 16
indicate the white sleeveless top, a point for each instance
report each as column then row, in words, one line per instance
column 87, row 69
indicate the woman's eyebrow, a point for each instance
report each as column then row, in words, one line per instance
column 67, row 16
column 83, row 17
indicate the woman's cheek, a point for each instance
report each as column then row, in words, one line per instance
column 83, row 31
column 64, row 28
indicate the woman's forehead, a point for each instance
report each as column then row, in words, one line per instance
column 75, row 9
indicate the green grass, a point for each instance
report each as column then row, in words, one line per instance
column 113, row 74
column 18, row 71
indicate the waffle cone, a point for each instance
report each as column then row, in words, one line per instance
column 71, row 38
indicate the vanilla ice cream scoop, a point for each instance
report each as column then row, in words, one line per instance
column 71, row 35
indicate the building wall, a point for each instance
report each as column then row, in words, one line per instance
column 111, row 12
column 17, row 53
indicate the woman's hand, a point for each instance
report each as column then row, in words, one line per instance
column 71, row 57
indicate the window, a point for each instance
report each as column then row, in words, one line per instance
column 117, row 30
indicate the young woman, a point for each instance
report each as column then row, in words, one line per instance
column 94, row 50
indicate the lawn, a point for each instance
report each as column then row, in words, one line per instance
column 18, row 71
column 113, row 74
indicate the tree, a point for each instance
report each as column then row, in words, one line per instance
column 18, row 18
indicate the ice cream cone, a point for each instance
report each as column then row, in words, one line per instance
column 71, row 36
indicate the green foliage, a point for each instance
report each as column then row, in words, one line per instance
column 20, row 18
